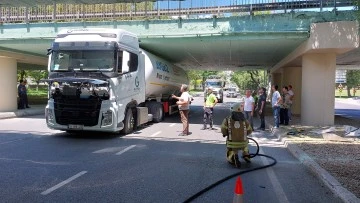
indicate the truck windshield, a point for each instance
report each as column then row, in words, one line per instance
column 83, row 60
column 213, row 84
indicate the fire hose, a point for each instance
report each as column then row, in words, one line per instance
column 252, row 155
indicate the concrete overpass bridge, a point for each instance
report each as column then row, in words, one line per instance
column 298, row 48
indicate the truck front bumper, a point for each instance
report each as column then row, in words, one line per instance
column 107, row 121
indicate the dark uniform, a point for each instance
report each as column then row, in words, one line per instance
column 22, row 95
column 236, row 128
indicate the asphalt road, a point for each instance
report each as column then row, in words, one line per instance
column 151, row 165
column 348, row 109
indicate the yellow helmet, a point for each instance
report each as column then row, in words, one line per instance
column 237, row 107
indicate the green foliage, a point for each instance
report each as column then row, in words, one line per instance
column 352, row 79
column 37, row 75
column 195, row 75
column 21, row 75
column 252, row 79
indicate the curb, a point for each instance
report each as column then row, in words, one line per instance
column 22, row 113
column 317, row 170
column 322, row 174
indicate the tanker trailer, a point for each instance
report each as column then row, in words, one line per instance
column 100, row 80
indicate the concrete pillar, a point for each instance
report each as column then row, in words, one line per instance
column 8, row 87
column 292, row 76
column 318, row 89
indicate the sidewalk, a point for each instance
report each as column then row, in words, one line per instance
column 34, row 110
column 327, row 152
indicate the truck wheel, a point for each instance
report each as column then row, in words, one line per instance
column 156, row 109
column 129, row 122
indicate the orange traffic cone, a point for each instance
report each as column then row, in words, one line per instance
column 239, row 191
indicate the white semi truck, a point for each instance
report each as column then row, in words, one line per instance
column 217, row 83
column 100, row 80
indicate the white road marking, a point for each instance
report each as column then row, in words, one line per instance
column 125, row 150
column 153, row 135
column 279, row 191
column 48, row 191
column 109, row 150
column 171, row 125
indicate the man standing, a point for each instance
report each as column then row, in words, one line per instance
column 292, row 94
column 210, row 102
column 183, row 105
column 236, row 128
column 21, row 94
column 284, row 106
column 275, row 103
column 261, row 107
column 26, row 102
column 249, row 108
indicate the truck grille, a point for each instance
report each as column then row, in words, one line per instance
column 77, row 111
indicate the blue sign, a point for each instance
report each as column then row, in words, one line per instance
column 162, row 66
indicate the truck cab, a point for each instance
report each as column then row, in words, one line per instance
column 100, row 80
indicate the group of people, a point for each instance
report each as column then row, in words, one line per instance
column 239, row 124
column 22, row 94
column 235, row 127
column 281, row 105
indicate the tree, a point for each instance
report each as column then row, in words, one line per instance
column 37, row 75
column 352, row 80
column 252, row 79
column 21, row 74
column 194, row 75
column 356, row 8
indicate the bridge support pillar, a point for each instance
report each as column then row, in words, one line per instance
column 8, row 87
column 318, row 89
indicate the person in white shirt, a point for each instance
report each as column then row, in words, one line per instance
column 183, row 105
column 249, row 107
column 275, row 103
column 292, row 94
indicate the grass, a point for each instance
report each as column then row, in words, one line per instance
column 344, row 94
column 36, row 97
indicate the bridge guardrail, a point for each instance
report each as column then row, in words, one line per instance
column 161, row 9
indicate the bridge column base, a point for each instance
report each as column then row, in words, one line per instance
column 318, row 89
column 8, row 87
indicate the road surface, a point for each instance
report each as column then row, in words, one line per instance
column 151, row 165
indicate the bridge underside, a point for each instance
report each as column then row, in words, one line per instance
column 232, row 52
column 303, row 53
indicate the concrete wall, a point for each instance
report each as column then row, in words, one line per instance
column 293, row 76
column 276, row 79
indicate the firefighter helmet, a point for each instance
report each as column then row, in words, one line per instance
column 237, row 107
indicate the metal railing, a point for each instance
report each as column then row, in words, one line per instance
column 162, row 9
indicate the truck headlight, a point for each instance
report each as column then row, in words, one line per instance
column 107, row 118
column 50, row 118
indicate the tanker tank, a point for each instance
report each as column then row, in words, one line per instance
column 161, row 77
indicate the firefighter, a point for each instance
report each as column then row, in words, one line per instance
column 236, row 128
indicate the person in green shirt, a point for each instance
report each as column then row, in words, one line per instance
column 210, row 102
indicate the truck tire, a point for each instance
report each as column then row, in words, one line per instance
column 156, row 109
column 129, row 122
